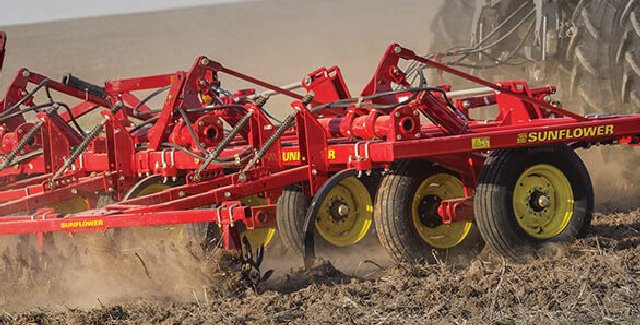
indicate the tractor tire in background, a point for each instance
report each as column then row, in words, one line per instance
column 451, row 28
column 606, row 80
column 528, row 197
column 604, row 53
column 492, row 15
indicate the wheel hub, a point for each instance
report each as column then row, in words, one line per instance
column 346, row 213
column 426, row 221
column 428, row 211
column 338, row 210
column 539, row 200
column 543, row 201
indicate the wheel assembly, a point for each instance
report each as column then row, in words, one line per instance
column 527, row 197
column 343, row 213
column 406, row 214
column 76, row 204
column 543, row 201
column 424, row 211
column 151, row 185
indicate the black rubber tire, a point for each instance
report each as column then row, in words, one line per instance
column 290, row 214
column 451, row 26
column 626, row 60
column 191, row 232
column 393, row 223
column 492, row 15
column 493, row 200
column 292, row 210
column 606, row 72
column 596, row 68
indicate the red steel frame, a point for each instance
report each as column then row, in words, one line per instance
column 324, row 141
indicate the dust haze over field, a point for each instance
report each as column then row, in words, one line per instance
column 86, row 280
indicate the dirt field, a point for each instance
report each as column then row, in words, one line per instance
column 595, row 280
column 90, row 280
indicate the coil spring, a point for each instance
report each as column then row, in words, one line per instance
column 76, row 153
column 224, row 143
column 27, row 138
column 286, row 124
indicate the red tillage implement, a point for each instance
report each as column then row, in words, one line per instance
column 408, row 159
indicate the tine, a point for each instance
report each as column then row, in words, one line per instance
column 248, row 249
column 266, row 276
column 260, row 255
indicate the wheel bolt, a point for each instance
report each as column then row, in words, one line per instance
column 343, row 210
column 544, row 201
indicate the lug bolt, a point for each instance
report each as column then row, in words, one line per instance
column 544, row 201
column 343, row 210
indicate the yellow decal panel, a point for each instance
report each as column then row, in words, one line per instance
column 82, row 224
column 295, row 155
column 481, row 143
column 565, row 134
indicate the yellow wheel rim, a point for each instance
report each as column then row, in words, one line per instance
column 74, row 205
column 427, row 222
column 175, row 232
column 258, row 236
column 543, row 201
column 345, row 214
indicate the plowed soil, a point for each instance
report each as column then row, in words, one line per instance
column 595, row 280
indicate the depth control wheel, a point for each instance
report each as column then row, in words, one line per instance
column 530, row 196
column 343, row 218
column 345, row 215
column 406, row 217
column 151, row 185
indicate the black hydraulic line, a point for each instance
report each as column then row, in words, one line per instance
column 28, row 109
column 347, row 102
column 73, row 118
column 23, row 99
column 229, row 161
column 147, row 122
column 194, row 136
column 136, row 110
column 214, row 108
column 477, row 48
column 24, row 157
column 26, row 140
